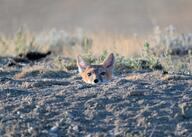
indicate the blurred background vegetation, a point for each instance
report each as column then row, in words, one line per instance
column 119, row 16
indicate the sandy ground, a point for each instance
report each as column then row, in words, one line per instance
column 44, row 102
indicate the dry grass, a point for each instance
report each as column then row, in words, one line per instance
column 70, row 44
column 132, row 51
column 124, row 45
column 22, row 41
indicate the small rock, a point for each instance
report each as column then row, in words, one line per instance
column 182, row 128
column 54, row 128
column 89, row 135
column 76, row 128
column 30, row 129
column 186, row 110
column 44, row 131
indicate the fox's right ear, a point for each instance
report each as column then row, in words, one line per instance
column 109, row 62
column 82, row 65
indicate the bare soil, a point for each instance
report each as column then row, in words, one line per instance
column 43, row 102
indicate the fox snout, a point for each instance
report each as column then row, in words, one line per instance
column 96, row 81
column 94, row 74
column 94, row 77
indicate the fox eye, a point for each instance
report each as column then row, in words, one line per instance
column 88, row 74
column 102, row 73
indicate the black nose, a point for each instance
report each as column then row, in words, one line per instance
column 96, row 81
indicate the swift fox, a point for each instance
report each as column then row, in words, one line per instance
column 94, row 74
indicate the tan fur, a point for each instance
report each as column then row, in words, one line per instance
column 92, row 69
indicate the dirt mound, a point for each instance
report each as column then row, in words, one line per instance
column 59, row 103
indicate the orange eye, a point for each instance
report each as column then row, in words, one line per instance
column 89, row 74
column 102, row 73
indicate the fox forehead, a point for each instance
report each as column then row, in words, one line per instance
column 95, row 68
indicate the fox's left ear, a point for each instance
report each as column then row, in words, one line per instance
column 109, row 62
column 82, row 65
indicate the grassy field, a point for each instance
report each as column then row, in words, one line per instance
column 165, row 47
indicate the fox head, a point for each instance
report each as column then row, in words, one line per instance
column 94, row 74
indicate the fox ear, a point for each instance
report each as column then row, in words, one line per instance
column 81, row 64
column 108, row 63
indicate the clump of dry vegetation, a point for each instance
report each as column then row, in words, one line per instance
column 164, row 49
